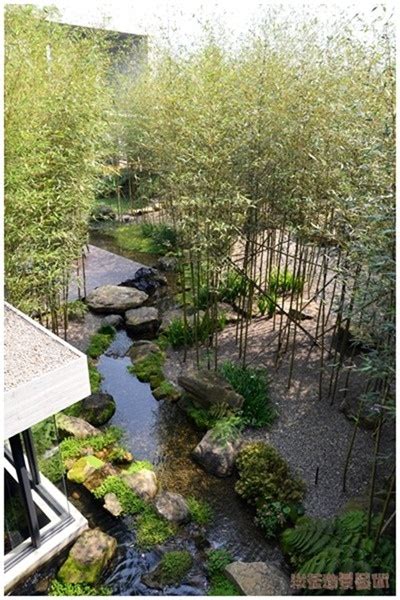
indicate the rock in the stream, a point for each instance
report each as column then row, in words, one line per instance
column 142, row 348
column 217, row 457
column 88, row 557
column 172, row 507
column 258, row 579
column 143, row 483
column 112, row 504
column 75, row 426
column 147, row 280
column 167, row 263
column 208, row 388
column 116, row 321
column 142, row 321
column 98, row 408
column 83, row 468
column 112, row 299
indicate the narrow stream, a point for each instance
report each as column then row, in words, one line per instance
column 161, row 433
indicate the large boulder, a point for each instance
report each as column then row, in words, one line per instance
column 98, row 408
column 147, row 280
column 142, row 348
column 83, row 468
column 217, row 457
column 172, row 507
column 143, row 483
column 207, row 388
column 75, row 426
column 115, row 299
column 88, row 557
column 142, row 321
column 258, row 579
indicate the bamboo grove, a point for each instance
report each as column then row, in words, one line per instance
column 276, row 159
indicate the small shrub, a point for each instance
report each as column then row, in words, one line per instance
column 272, row 517
column 72, row 447
column 94, row 378
column 100, row 341
column 264, row 476
column 152, row 529
column 76, row 310
column 252, row 384
column 200, row 511
column 227, row 429
column 130, row 502
column 52, row 468
column 57, row 588
column 174, row 566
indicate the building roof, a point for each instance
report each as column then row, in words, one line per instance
column 43, row 374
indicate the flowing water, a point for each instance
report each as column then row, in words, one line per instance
column 161, row 433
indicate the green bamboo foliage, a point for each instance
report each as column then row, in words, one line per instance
column 56, row 103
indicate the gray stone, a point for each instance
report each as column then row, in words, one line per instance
column 143, row 483
column 172, row 507
column 88, row 557
column 112, row 299
column 142, row 348
column 208, row 388
column 75, row 426
column 217, row 458
column 98, row 408
column 177, row 313
column 142, row 320
column 116, row 321
column 112, row 504
column 258, row 579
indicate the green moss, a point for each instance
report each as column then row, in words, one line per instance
column 74, row 572
column 174, row 566
column 83, row 467
column 52, row 467
column 166, row 391
column 72, row 447
column 94, row 377
column 149, row 368
column 119, row 455
column 220, row 585
column 57, row 588
column 74, row 410
column 146, row 237
column 100, row 341
column 200, row 511
column 139, row 465
column 130, row 502
column 152, row 529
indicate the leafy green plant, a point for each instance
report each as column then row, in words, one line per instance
column 146, row 237
column 100, row 341
column 44, row 435
column 57, row 588
column 227, row 429
column 164, row 236
column 272, row 517
column 206, row 418
column 152, row 529
column 72, row 447
column 76, row 310
column 130, row 502
column 220, row 585
column 52, row 467
column 252, row 384
column 180, row 333
column 201, row 512
column 267, row 304
column 282, row 282
column 264, row 476
column 174, row 566
column 231, row 287
column 336, row 545
column 139, row 465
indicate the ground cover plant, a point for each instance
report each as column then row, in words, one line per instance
column 57, row 588
column 100, row 341
column 200, row 511
column 173, row 567
column 151, row 238
column 220, row 585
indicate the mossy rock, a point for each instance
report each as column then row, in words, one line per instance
column 83, row 468
column 88, row 557
column 167, row 391
column 172, row 569
column 98, row 408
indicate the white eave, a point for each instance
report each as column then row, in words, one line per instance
column 43, row 374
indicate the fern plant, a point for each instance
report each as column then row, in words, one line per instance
column 338, row 545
